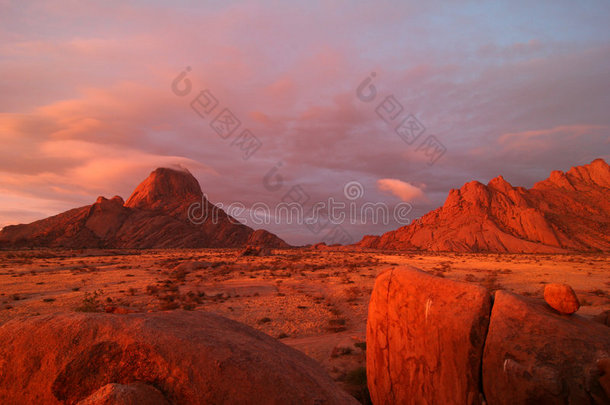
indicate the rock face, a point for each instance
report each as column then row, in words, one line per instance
column 567, row 212
column 561, row 297
column 425, row 339
column 179, row 357
column 434, row 341
column 155, row 216
column 536, row 356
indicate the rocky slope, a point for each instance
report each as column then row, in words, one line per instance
column 567, row 212
column 155, row 216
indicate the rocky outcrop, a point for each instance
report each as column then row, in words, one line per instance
column 179, row 357
column 567, row 212
column 422, row 341
column 167, row 210
column 536, row 356
column 430, row 340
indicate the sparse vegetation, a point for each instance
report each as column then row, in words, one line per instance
column 337, row 325
column 361, row 345
column 341, row 351
column 90, row 302
column 310, row 295
column 491, row 282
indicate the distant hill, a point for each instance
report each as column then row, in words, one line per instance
column 568, row 212
column 155, row 216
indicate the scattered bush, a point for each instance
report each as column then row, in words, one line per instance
column 340, row 351
column 91, row 302
column 361, row 345
column 336, row 325
column 152, row 289
column 168, row 305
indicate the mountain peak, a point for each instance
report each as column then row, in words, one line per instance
column 597, row 172
column 165, row 186
column 500, row 184
column 594, row 174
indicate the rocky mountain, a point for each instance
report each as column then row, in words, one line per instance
column 565, row 213
column 155, row 216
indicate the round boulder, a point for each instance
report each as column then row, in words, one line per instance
column 561, row 298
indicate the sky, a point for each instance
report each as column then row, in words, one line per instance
column 384, row 102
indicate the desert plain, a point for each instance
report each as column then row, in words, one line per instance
column 313, row 300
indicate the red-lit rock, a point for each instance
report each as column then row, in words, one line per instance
column 189, row 357
column 155, row 216
column 534, row 355
column 425, row 339
column 561, row 297
column 130, row 394
column 567, row 212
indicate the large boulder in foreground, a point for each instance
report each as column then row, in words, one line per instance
column 534, row 355
column 425, row 338
column 189, row 357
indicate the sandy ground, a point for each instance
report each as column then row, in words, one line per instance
column 315, row 301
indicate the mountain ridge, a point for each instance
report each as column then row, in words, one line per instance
column 567, row 212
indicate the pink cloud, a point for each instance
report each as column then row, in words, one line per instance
column 403, row 190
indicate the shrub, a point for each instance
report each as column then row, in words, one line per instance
column 361, row 345
column 336, row 325
column 341, row 351
column 91, row 302
column 152, row 289
column 169, row 305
